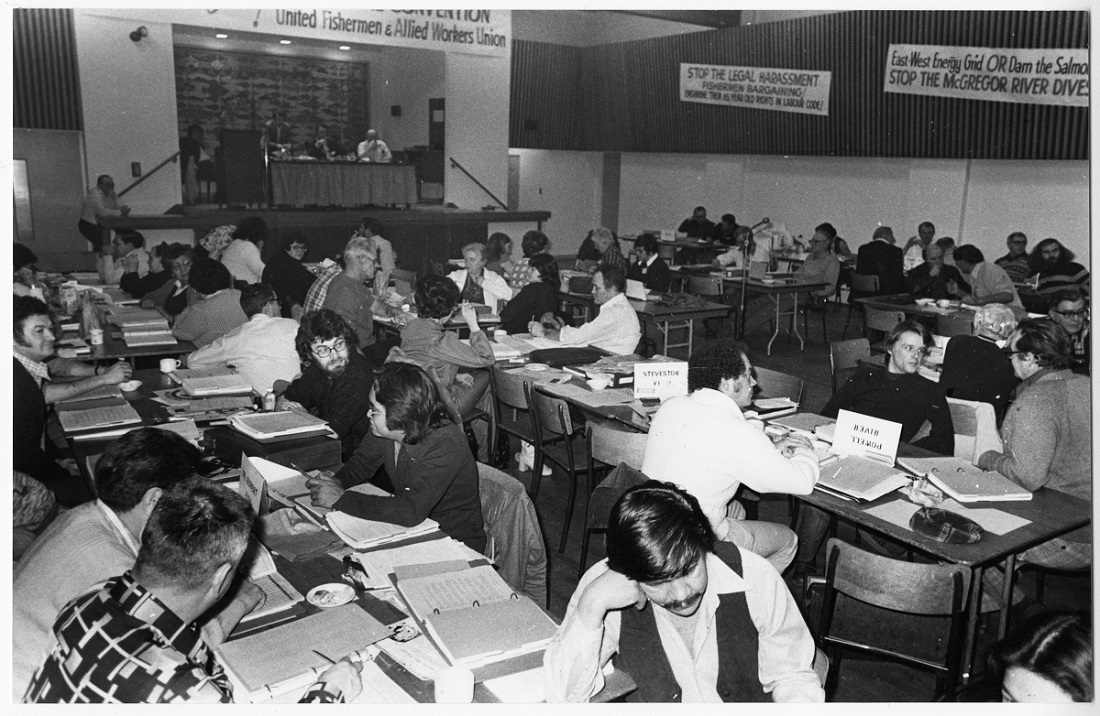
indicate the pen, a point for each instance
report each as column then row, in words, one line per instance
column 323, row 656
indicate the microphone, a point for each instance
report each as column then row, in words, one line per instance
column 763, row 221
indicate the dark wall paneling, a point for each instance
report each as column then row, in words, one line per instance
column 46, row 84
column 238, row 90
column 546, row 83
column 630, row 91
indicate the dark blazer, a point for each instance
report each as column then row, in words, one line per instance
column 656, row 277
column 884, row 260
column 922, row 284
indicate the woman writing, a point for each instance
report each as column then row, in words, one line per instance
column 425, row 455
column 536, row 298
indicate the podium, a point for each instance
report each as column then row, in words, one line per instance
column 243, row 157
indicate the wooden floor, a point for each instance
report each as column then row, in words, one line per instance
column 860, row 680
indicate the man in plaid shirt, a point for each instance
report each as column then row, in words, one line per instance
column 133, row 639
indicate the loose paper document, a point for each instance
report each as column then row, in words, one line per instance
column 360, row 533
column 807, row 424
column 381, row 563
column 861, row 478
column 216, row 385
column 864, row 436
column 454, row 590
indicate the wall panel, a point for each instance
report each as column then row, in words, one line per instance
column 630, row 91
column 545, row 88
column 46, row 87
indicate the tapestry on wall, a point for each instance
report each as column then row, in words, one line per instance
column 236, row 90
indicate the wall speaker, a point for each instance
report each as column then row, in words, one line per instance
column 395, row 110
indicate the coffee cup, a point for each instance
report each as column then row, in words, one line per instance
column 167, row 365
column 598, row 382
column 96, row 336
column 454, row 685
column 943, row 303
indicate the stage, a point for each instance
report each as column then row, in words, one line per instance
column 420, row 235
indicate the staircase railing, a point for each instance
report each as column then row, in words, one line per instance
column 157, row 168
column 454, row 163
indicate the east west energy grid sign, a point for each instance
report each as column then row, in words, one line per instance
column 1058, row 77
column 781, row 90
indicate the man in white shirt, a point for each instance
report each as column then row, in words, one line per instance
column 914, row 247
column 703, row 443
column 126, row 254
column 100, row 201
column 242, row 255
column 989, row 283
column 615, row 329
column 691, row 619
column 261, row 350
column 385, row 257
column 374, row 150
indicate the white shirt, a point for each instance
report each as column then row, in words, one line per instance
column 494, row 286
column 261, row 350
column 574, row 659
column 703, row 443
column 111, row 269
column 988, row 279
column 375, row 151
column 242, row 258
column 616, row 329
column 914, row 257
column 733, row 256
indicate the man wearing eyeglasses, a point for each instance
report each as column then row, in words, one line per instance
column 821, row 266
column 336, row 382
column 1047, row 433
column 1070, row 310
column 262, row 350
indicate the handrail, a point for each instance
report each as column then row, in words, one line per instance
column 454, row 163
column 145, row 176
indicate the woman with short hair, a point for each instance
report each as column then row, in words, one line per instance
column 426, row 457
column 974, row 368
column 536, row 298
column 477, row 283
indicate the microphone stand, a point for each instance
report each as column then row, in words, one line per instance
column 745, row 279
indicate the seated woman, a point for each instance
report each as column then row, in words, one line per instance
column 175, row 294
column 441, row 353
column 478, row 284
column 974, row 368
column 742, row 236
column 426, row 457
column 895, row 393
column 498, row 257
column 1047, row 660
column 649, row 268
column 536, row 298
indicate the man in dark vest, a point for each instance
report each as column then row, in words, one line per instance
column 689, row 618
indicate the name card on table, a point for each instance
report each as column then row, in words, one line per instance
column 660, row 380
column 863, row 436
column 253, row 486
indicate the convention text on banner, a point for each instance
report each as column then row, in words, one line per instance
column 1058, row 77
column 783, row 90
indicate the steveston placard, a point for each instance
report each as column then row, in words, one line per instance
column 1026, row 76
column 779, row 89
column 663, row 380
column 864, row 436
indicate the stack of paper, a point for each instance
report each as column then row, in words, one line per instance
column 228, row 384
column 114, row 416
column 279, row 594
column 860, row 479
column 103, row 391
column 272, row 426
column 361, row 534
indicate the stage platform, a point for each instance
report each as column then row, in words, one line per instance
column 420, row 235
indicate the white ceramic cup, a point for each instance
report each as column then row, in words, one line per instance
column 167, row 365
column 96, row 336
column 454, row 685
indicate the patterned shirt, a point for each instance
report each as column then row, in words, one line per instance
column 120, row 644
column 1061, row 277
column 1017, row 268
column 315, row 296
column 39, row 371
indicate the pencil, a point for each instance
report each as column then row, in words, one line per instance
column 323, row 656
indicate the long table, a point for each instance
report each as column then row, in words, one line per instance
column 303, row 183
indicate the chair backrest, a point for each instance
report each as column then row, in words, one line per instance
column 705, row 285
column 920, row 601
column 774, row 384
column 403, row 281
column 508, row 389
column 514, row 539
column 551, row 413
column 882, row 319
column 975, row 428
column 959, row 323
column 865, row 283
column 844, row 356
column 608, row 492
column 611, row 446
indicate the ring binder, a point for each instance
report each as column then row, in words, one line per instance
column 476, row 603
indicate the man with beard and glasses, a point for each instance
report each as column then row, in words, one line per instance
column 1058, row 271
column 690, row 618
column 336, row 382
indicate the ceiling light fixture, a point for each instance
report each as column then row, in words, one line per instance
column 221, row 36
column 284, row 42
column 345, row 47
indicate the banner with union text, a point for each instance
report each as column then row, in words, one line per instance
column 782, row 90
column 1058, row 77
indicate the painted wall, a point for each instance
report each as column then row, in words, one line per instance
column 583, row 29
column 407, row 78
column 979, row 201
column 57, row 189
column 476, row 128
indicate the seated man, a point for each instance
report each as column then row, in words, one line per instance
column 175, row 294
column 883, row 259
column 932, row 279
column 697, row 226
column 137, row 284
column 94, row 541
column 649, row 268
column 133, row 638
column 722, row 233
column 691, row 619
column 1047, row 433
column 607, row 249
column 125, row 254
column 615, row 329
column 384, row 255
column 348, row 294
column 286, row 274
column 373, row 149
column 1070, row 310
column 988, row 282
column 262, row 350
column 1058, row 271
column 947, row 245
column 820, row 266
column 33, row 390
column 336, row 382
column 218, row 310
column 703, row 443
column 1015, row 262
column 915, row 246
